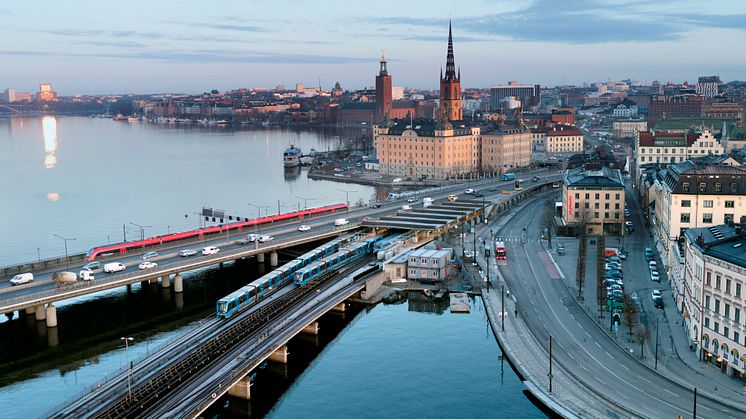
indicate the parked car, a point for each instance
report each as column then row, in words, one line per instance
column 92, row 266
column 613, row 259
column 147, row 265
column 366, row 219
column 187, row 252
column 653, row 265
column 23, row 278
column 210, row 250
column 149, row 255
column 657, row 298
column 304, row 227
column 648, row 255
column 654, row 276
column 264, row 239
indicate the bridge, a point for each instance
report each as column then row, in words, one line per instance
column 39, row 297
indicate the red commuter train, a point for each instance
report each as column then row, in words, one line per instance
column 122, row 248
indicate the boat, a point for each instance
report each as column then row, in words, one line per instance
column 120, row 117
column 306, row 160
column 221, row 122
column 291, row 156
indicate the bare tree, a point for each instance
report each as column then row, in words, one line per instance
column 549, row 218
column 600, row 273
column 630, row 311
column 642, row 335
column 580, row 271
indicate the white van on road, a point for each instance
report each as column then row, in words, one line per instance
column 112, row 267
column 20, row 279
column 209, row 250
column 341, row 221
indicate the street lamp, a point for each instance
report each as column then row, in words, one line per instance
column 347, row 194
column 305, row 200
column 127, row 340
column 142, row 229
column 258, row 208
column 67, row 261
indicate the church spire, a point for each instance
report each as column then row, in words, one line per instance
column 450, row 62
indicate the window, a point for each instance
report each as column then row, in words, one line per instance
column 702, row 187
column 734, row 187
column 595, row 215
column 737, row 314
column 685, row 217
column 616, row 196
column 727, row 310
column 606, row 215
column 726, row 331
column 727, row 285
column 587, row 205
column 616, row 215
column 738, row 290
column 707, row 302
column 596, row 205
column 607, row 196
column 717, row 327
column 707, row 203
column 707, row 322
column 708, row 278
column 729, row 204
column 707, row 218
column 727, row 218
column 718, row 187
column 686, row 203
column 577, row 205
column 717, row 282
column 616, row 206
column 577, row 195
column 736, row 338
column 587, row 196
column 717, row 306
column 685, row 186
column 598, row 195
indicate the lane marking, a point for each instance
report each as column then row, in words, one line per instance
column 671, row 392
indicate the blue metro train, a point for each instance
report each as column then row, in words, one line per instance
column 258, row 289
column 345, row 256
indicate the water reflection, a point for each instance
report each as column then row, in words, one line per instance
column 291, row 173
column 49, row 131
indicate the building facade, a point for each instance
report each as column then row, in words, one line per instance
column 528, row 94
column 708, row 86
column 505, row 148
column 629, row 128
column 594, row 198
column 673, row 147
column 713, row 299
column 564, row 139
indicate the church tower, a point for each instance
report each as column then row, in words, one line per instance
column 383, row 91
column 450, row 86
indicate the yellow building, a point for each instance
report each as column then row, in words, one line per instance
column 505, row 148
column 564, row 139
column 429, row 149
column 594, row 198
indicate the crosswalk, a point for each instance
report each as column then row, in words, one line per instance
column 509, row 239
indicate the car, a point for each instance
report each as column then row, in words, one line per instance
column 613, row 267
column 367, row 219
column 648, row 256
column 147, row 265
column 341, row 221
column 614, row 274
column 23, row 278
column 478, row 194
column 615, row 294
column 187, row 252
column 452, row 198
column 242, row 242
column 304, row 227
column 616, row 259
column 468, row 254
column 92, row 266
column 614, row 287
column 521, row 180
column 469, row 191
column 412, row 199
column 406, row 208
column 657, row 298
column 535, row 179
column 264, row 239
column 655, row 277
column 494, row 188
column 252, row 237
column 376, row 205
column 210, row 250
column 149, row 255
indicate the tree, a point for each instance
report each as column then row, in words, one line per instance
column 642, row 335
column 630, row 311
column 549, row 218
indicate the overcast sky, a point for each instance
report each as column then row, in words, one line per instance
column 194, row 46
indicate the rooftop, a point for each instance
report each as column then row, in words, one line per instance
column 605, row 178
column 724, row 242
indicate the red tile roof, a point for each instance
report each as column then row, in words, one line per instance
column 647, row 138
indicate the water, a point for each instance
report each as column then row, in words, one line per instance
column 84, row 179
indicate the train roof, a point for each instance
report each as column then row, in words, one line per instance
column 238, row 292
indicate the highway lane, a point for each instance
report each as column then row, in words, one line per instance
column 285, row 231
column 580, row 346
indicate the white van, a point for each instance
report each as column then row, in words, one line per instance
column 22, row 279
column 112, row 267
column 209, row 250
column 341, row 221
column 86, row 275
column 426, row 202
column 406, row 208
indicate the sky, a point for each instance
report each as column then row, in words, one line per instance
column 98, row 47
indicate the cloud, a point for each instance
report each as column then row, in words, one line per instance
column 440, row 38
column 204, row 56
column 230, row 27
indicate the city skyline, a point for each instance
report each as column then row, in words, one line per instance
column 190, row 48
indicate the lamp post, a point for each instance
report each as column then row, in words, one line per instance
column 127, row 340
column 305, row 200
column 67, row 261
column 258, row 209
column 656, row 342
column 142, row 229
column 347, row 195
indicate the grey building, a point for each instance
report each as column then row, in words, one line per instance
column 428, row 264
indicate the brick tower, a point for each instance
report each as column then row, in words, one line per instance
column 383, row 91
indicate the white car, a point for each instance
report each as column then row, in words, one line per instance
column 304, row 227
column 252, row 237
column 187, row 252
column 264, row 239
column 147, row 265
column 469, row 191
column 22, row 279
column 210, row 250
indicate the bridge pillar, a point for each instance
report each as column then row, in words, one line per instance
column 273, row 259
column 51, row 313
column 312, row 329
column 339, row 308
column 280, row 355
column 41, row 312
column 242, row 389
column 153, row 280
column 30, row 310
column 166, row 281
column 260, row 258
column 178, row 283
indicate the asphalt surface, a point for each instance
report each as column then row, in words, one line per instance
column 579, row 344
column 285, row 231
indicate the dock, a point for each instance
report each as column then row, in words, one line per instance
column 459, row 302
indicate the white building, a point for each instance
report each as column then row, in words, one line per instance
column 713, row 295
column 624, row 111
column 708, row 86
column 673, row 147
column 629, row 128
column 563, row 139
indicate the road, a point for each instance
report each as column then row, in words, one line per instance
column 579, row 344
column 281, row 232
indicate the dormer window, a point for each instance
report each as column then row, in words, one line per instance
column 702, row 186
column 685, row 186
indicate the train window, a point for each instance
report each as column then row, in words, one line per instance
column 252, row 293
column 242, row 298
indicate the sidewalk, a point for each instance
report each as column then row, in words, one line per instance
column 675, row 360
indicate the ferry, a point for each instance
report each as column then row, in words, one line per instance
column 291, row 156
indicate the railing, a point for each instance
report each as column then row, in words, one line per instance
column 41, row 264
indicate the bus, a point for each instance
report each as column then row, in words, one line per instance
column 507, row 176
column 500, row 252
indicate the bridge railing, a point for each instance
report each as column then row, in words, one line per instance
column 41, row 264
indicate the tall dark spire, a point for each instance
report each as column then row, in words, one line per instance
column 450, row 62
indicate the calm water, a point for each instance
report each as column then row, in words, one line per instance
column 85, row 178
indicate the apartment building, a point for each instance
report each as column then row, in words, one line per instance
column 629, row 128
column 673, row 147
column 564, row 139
column 505, row 148
column 712, row 298
column 594, row 198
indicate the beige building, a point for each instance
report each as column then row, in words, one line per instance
column 594, row 197
column 539, row 139
column 629, row 128
column 712, row 298
column 674, row 147
column 429, row 149
column 563, row 139
column 505, row 148
column 693, row 194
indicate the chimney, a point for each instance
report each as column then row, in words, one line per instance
column 700, row 241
